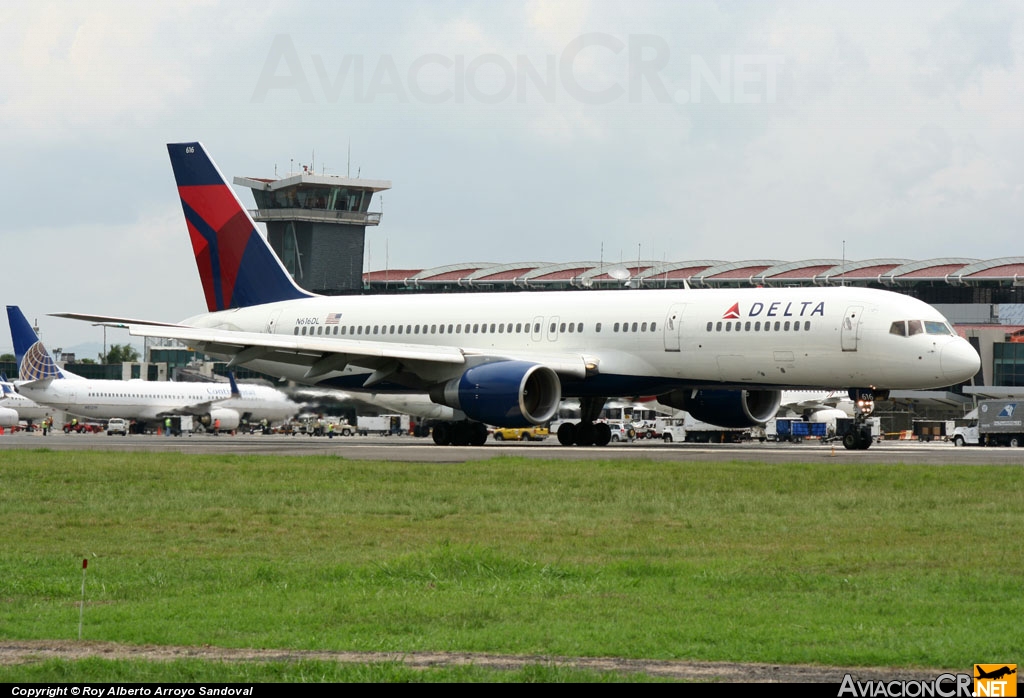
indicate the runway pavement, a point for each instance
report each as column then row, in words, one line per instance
column 408, row 448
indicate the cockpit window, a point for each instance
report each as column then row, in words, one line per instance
column 908, row 328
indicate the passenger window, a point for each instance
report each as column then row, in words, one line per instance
column 476, row 328
column 579, row 326
column 654, row 326
column 561, row 328
column 746, row 326
column 757, row 326
column 643, row 327
column 786, row 326
column 728, row 326
column 303, row 330
column 616, row 327
column 492, row 328
column 296, row 330
column 914, row 327
column 710, row 325
column 519, row 327
column 597, row 327
column 634, row 327
column 718, row 326
column 572, row 327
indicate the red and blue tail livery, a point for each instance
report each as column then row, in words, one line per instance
column 236, row 265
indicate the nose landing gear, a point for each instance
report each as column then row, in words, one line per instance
column 858, row 435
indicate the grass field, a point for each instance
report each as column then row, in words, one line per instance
column 870, row 565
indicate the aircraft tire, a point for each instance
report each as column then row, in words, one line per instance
column 585, row 434
column 477, row 434
column 602, row 434
column 442, row 434
column 850, row 441
column 567, row 434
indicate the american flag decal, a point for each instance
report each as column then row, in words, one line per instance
column 333, row 318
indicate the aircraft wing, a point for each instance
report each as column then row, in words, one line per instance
column 323, row 355
column 113, row 321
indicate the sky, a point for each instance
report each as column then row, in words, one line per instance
column 510, row 130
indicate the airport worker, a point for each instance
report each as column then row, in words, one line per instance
column 167, row 426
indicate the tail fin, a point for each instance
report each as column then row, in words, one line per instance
column 34, row 362
column 237, row 266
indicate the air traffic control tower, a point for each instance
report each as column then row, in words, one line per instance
column 317, row 226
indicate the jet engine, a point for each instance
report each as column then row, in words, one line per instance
column 8, row 417
column 733, row 409
column 229, row 419
column 503, row 394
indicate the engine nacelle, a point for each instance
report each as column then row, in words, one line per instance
column 734, row 409
column 229, row 419
column 8, row 417
column 503, row 394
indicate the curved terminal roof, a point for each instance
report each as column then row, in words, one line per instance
column 707, row 273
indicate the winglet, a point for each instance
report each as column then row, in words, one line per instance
column 34, row 362
column 236, row 265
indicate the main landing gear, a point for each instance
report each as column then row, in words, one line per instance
column 858, row 436
column 586, row 432
column 460, row 433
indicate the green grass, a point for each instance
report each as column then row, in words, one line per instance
column 884, row 565
column 301, row 671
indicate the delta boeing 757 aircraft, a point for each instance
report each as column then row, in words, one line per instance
column 506, row 359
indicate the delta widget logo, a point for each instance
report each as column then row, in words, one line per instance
column 732, row 313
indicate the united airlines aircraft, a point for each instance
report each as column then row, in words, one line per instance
column 41, row 380
column 506, row 359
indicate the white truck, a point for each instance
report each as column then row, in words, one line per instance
column 999, row 423
column 385, row 424
column 683, row 427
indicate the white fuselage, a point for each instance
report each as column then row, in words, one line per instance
column 640, row 342
column 25, row 408
column 147, row 400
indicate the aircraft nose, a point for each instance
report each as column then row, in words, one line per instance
column 959, row 362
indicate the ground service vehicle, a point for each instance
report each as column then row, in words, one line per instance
column 796, row 430
column 386, row 424
column 521, row 433
column 687, row 428
column 117, row 425
column 1000, row 423
column 966, row 435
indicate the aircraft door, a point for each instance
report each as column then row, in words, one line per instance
column 851, row 327
column 272, row 322
column 674, row 326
